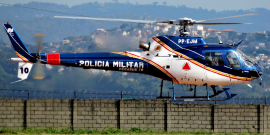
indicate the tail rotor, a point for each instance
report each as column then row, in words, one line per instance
column 39, row 70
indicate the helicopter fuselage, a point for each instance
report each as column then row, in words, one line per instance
column 183, row 60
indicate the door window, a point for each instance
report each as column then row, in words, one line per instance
column 214, row 59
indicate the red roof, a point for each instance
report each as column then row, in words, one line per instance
column 79, row 39
column 228, row 30
column 209, row 29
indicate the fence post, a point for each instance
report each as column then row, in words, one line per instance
column 28, row 113
column 168, row 115
column 121, row 94
column 74, row 115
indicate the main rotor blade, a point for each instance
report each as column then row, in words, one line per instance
column 226, row 17
column 39, row 41
column 107, row 19
column 218, row 23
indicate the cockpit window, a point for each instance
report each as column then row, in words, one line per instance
column 245, row 59
column 232, row 59
column 214, row 59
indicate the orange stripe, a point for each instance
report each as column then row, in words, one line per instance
column 199, row 64
column 23, row 58
column 151, row 62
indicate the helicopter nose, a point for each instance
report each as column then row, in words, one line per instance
column 259, row 69
column 256, row 72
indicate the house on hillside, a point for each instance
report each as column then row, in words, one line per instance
column 262, row 45
column 260, row 56
column 100, row 31
column 156, row 28
column 124, row 33
column 199, row 27
column 226, row 32
column 66, row 41
column 78, row 39
column 211, row 32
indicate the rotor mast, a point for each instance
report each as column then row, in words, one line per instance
column 184, row 23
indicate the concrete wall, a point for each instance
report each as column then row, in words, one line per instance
column 12, row 113
column 47, row 113
column 191, row 117
column 157, row 115
column 143, row 114
column 96, row 114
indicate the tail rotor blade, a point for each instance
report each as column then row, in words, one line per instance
column 39, row 71
column 39, row 41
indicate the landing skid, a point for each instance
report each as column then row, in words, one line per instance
column 205, row 98
column 202, row 96
column 197, row 98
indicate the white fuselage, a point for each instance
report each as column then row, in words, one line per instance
column 184, row 70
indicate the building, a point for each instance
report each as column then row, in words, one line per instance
column 261, row 44
column 66, row 41
column 199, row 27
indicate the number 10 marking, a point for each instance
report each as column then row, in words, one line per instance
column 26, row 70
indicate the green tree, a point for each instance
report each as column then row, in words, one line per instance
column 258, row 37
column 242, row 36
column 212, row 40
column 123, row 25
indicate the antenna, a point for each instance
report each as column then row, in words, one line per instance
column 219, row 38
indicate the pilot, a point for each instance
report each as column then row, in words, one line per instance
column 215, row 61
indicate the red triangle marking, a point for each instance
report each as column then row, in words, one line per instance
column 186, row 66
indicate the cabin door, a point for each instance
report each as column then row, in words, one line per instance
column 187, row 72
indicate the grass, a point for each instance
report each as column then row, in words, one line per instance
column 109, row 130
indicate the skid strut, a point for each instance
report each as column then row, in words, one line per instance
column 161, row 91
column 207, row 92
column 229, row 96
column 195, row 90
column 161, row 85
column 173, row 91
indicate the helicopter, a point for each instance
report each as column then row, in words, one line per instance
column 178, row 59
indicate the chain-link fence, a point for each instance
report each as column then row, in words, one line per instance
column 126, row 95
column 25, row 94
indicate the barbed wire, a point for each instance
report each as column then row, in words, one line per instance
column 125, row 95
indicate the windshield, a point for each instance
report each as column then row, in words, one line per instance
column 245, row 59
column 232, row 59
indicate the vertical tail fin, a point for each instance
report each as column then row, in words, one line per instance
column 19, row 47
